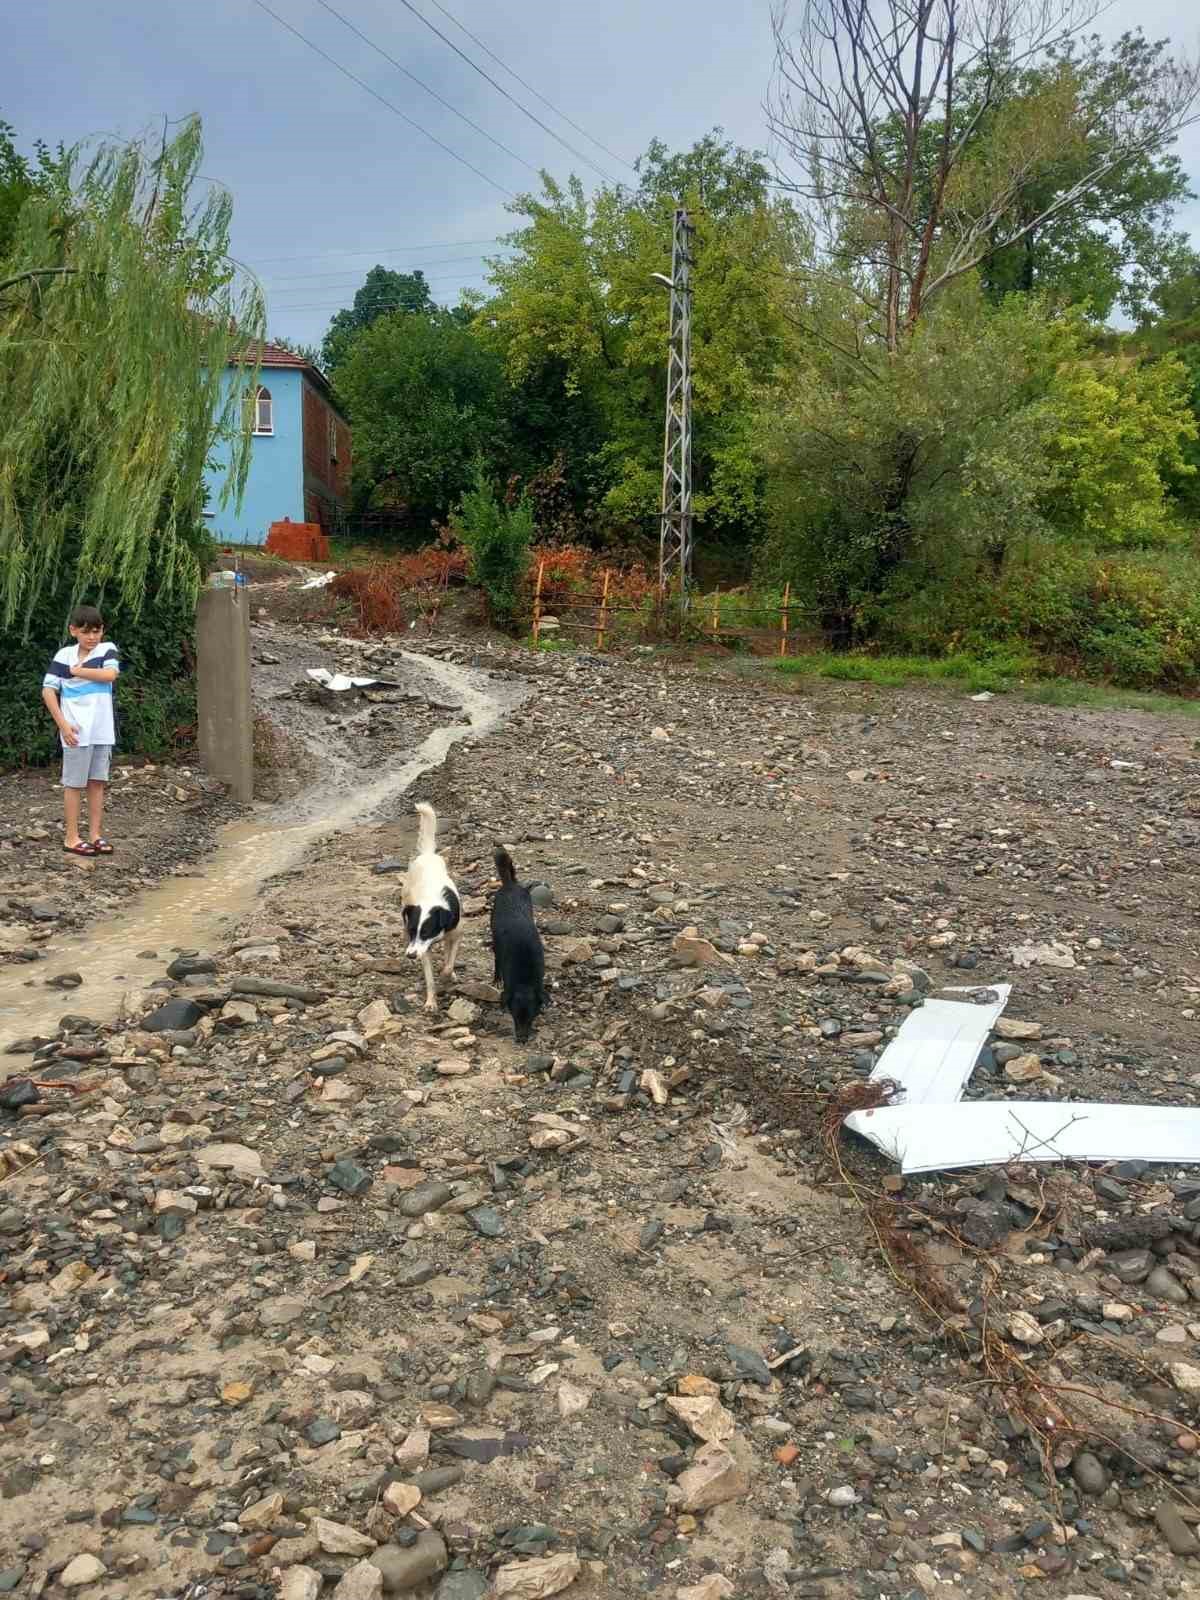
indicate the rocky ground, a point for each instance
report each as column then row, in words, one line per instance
column 308, row 1288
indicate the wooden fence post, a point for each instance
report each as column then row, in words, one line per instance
column 783, row 621
column 537, row 604
column 716, row 627
column 603, row 613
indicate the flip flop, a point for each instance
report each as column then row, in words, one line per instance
column 101, row 847
column 80, row 849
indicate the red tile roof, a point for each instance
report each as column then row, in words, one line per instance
column 272, row 355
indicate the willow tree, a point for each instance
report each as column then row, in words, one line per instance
column 120, row 310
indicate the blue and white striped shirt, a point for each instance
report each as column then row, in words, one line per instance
column 87, row 705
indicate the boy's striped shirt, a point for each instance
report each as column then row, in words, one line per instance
column 85, row 704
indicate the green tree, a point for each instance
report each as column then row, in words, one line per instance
column 383, row 292
column 427, row 400
column 577, row 310
column 988, row 427
column 935, row 141
column 119, row 311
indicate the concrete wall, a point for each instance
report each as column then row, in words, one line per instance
column 225, row 730
column 275, row 483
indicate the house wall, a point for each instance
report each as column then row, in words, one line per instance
column 275, row 482
column 325, row 479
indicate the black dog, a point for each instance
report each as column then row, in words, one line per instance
column 520, row 958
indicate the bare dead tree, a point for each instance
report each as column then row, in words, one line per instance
column 885, row 107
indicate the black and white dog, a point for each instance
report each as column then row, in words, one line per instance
column 520, row 958
column 431, row 906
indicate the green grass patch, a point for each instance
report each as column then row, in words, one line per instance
column 1103, row 697
column 973, row 674
column 1009, row 672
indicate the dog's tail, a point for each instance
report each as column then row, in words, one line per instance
column 426, row 828
column 504, row 866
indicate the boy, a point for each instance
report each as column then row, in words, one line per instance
column 78, row 693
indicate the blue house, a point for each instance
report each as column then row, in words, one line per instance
column 300, row 453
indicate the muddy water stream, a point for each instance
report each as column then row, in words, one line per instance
column 195, row 913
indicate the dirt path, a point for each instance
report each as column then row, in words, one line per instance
column 311, row 1245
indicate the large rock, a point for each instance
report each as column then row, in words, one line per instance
column 336, row 1539
column 299, row 1583
column 704, row 1416
column 534, row 1580
column 362, row 1582
column 84, row 1569
column 405, row 1569
column 712, row 1479
column 174, row 1015
column 236, row 1158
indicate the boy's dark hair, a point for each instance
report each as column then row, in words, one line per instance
column 86, row 617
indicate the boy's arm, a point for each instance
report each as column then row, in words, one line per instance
column 50, row 700
column 96, row 674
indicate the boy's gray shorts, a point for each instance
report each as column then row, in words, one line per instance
column 86, row 763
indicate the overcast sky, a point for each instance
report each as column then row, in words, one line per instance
column 327, row 181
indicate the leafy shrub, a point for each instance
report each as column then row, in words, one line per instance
column 1132, row 617
column 497, row 539
column 384, row 591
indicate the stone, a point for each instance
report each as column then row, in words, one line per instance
column 843, row 1495
column 363, row 1581
column 349, row 1177
column 414, row 1451
column 191, row 966
column 238, row 1014
column 236, row 1158
column 712, row 1479
column 404, row 1569
column 487, row 1221
column 1089, row 1473
column 715, row 1587
column 1025, row 1329
column 336, row 1539
column 1013, row 1029
column 1186, row 1378
column 84, row 1569
column 1131, row 1266
column 281, row 1310
column 572, row 1400
column 462, row 1586
column 1175, row 1531
column 704, row 1417
column 750, row 1364
column 428, row 1196
column 401, row 1498
column 263, row 1512
column 1166, row 1286
column 172, row 1016
column 1024, row 1069
column 695, row 952
column 537, row 1579
column 299, row 1583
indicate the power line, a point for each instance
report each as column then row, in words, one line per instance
column 461, row 115
column 395, row 110
column 500, row 89
column 346, row 275
column 475, row 39
column 382, row 250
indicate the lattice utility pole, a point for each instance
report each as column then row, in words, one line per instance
column 675, row 534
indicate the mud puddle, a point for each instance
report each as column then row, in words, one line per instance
column 191, row 913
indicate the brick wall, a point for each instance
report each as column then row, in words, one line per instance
column 323, row 478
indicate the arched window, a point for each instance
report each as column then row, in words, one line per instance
column 259, row 415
